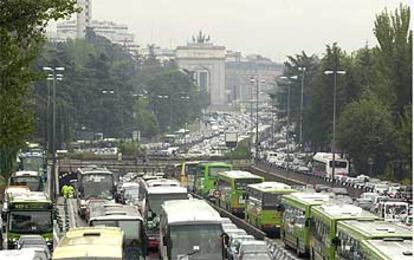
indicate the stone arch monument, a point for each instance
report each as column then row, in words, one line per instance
column 207, row 63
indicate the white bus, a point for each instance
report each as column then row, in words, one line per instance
column 190, row 229
column 322, row 165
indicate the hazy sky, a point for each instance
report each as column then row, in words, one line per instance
column 274, row 28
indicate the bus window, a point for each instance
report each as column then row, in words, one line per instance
column 241, row 184
column 338, row 164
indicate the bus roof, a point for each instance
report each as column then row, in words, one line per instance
column 111, row 211
column 300, row 199
column 31, row 196
column 190, row 211
column 92, row 170
column 325, row 157
column 236, row 174
column 271, row 186
column 374, row 229
column 162, row 182
column 90, row 242
column 342, row 212
column 213, row 164
column 25, row 173
column 191, row 163
column 390, row 249
column 166, row 190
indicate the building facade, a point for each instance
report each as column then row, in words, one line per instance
column 207, row 63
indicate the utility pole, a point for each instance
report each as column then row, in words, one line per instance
column 303, row 69
column 53, row 76
column 333, row 148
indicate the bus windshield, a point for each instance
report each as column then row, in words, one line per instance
column 338, row 164
column 191, row 169
column 97, row 186
column 33, row 182
column 35, row 222
column 241, row 184
column 155, row 200
column 131, row 228
column 271, row 200
column 207, row 237
column 131, row 194
column 213, row 171
column 32, row 163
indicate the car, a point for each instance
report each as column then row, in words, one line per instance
column 234, row 244
column 34, row 241
column 253, row 249
column 381, row 188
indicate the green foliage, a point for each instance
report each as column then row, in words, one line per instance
column 22, row 24
column 365, row 130
column 374, row 98
column 129, row 148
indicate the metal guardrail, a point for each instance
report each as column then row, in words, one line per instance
column 354, row 190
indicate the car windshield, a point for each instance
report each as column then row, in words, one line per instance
column 131, row 228
column 214, row 171
column 206, row 237
column 97, row 186
column 33, row 182
column 241, row 184
column 31, row 222
column 32, row 163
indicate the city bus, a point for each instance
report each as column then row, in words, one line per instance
column 206, row 177
column 324, row 220
column 93, row 183
column 98, row 243
column 190, row 229
column 263, row 205
column 32, row 179
column 231, row 186
column 322, row 165
column 29, row 214
column 125, row 217
column 187, row 173
column 34, row 161
column 386, row 249
column 295, row 230
column 351, row 233
column 151, row 209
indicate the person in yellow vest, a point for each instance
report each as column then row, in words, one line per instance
column 67, row 191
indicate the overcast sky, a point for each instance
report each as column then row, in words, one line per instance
column 274, row 28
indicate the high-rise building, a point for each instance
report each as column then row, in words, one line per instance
column 84, row 18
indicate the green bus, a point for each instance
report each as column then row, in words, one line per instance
column 295, row 231
column 351, row 233
column 206, row 177
column 29, row 214
column 324, row 220
column 386, row 249
column 263, row 205
column 232, row 190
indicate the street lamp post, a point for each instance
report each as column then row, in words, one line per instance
column 257, row 82
column 334, row 72
column 303, row 69
column 288, row 119
column 53, row 76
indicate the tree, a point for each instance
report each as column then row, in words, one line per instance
column 394, row 55
column 365, row 130
column 22, row 24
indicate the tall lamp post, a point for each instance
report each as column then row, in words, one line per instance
column 334, row 73
column 302, row 69
column 257, row 82
column 288, row 118
column 53, row 75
